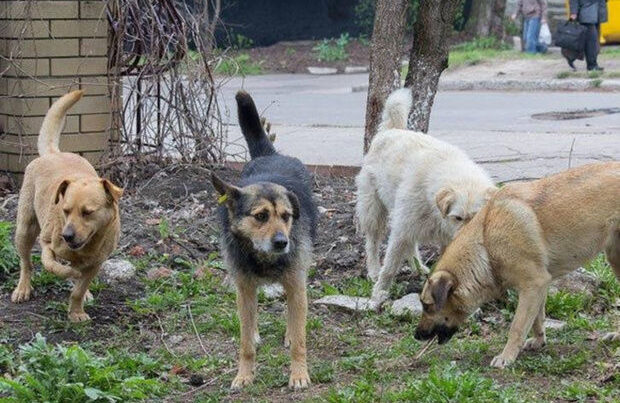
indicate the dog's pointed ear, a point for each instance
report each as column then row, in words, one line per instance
column 113, row 192
column 294, row 200
column 228, row 193
column 444, row 199
column 62, row 189
column 441, row 288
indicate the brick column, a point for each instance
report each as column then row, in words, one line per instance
column 48, row 48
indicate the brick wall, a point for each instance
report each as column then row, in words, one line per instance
column 48, row 48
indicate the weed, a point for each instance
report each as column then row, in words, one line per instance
column 242, row 42
column 609, row 289
column 241, row 65
column 164, row 229
column 596, row 83
column 330, row 50
column 566, row 305
column 8, row 256
column 562, row 75
column 56, row 373
column 594, row 74
column 449, row 384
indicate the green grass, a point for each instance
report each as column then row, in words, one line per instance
column 9, row 260
column 332, row 50
column 239, row 65
column 44, row 372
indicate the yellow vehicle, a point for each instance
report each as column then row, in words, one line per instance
column 610, row 30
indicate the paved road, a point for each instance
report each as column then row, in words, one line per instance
column 320, row 120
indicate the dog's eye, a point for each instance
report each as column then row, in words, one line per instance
column 458, row 218
column 86, row 213
column 286, row 216
column 262, row 216
column 66, row 211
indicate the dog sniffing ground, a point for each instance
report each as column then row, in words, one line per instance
column 149, row 327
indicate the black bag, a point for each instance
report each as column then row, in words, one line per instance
column 571, row 35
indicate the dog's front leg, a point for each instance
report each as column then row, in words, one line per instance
column 297, row 301
column 247, row 307
column 76, row 301
column 528, row 308
column 48, row 259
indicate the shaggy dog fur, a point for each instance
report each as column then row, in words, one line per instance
column 422, row 188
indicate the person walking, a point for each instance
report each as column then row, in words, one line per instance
column 534, row 15
column 590, row 13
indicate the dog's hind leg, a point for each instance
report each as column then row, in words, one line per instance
column 247, row 307
column 25, row 236
column 400, row 244
column 297, row 301
column 373, row 218
column 538, row 328
column 612, row 251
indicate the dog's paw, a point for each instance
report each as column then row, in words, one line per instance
column 377, row 299
column 499, row 361
column 76, row 317
column 241, row 381
column 21, row 294
column 611, row 337
column 535, row 343
column 299, row 380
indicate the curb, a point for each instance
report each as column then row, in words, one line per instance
column 522, row 85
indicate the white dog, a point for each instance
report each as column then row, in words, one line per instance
column 428, row 189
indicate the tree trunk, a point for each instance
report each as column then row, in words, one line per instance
column 429, row 57
column 486, row 18
column 385, row 55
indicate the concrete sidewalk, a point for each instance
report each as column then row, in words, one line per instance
column 319, row 120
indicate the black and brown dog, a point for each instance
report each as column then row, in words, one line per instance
column 268, row 226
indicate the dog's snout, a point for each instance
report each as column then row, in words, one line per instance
column 68, row 234
column 279, row 241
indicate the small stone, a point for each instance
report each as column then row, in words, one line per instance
column 160, row 272
column 322, row 70
column 175, row 339
column 322, row 210
column 409, row 304
column 116, row 270
column 137, row 251
column 273, row 291
column 356, row 69
column 576, row 281
column 554, row 324
column 347, row 303
column 196, row 380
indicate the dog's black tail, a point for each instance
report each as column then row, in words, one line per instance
column 251, row 127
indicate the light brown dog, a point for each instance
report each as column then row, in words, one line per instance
column 74, row 210
column 527, row 235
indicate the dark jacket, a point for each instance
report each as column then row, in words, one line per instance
column 589, row 11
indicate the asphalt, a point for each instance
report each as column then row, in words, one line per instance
column 320, row 120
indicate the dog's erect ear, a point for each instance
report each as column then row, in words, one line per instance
column 229, row 193
column 62, row 189
column 114, row 192
column 444, row 199
column 441, row 289
column 292, row 197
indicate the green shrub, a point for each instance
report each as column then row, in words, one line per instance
column 8, row 256
column 63, row 374
column 241, row 65
column 330, row 50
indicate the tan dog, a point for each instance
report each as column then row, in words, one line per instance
column 527, row 235
column 74, row 210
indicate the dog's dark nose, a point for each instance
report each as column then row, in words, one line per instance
column 68, row 234
column 279, row 241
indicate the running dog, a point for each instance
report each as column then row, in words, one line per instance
column 268, row 224
column 74, row 210
column 425, row 188
column 527, row 235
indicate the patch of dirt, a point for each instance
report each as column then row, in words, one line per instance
column 575, row 114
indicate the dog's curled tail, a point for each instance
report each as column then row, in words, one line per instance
column 259, row 144
column 54, row 122
column 396, row 110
